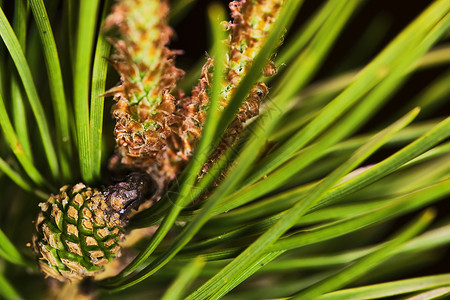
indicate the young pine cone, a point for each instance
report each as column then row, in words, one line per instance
column 78, row 230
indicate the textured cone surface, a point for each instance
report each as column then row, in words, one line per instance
column 252, row 21
column 145, row 111
column 249, row 29
column 77, row 232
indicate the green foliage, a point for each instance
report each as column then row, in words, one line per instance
column 312, row 195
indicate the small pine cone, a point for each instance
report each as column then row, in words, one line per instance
column 78, row 230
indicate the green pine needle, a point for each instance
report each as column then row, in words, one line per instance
column 186, row 276
column 390, row 288
column 7, row 290
column 99, row 71
column 83, row 59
